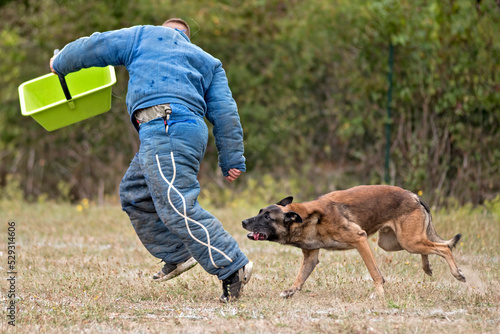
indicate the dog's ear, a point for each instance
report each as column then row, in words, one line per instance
column 292, row 217
column 285, row 201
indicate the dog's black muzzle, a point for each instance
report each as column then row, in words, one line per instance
column 249, row 225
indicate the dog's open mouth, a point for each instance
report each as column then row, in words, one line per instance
column 256, row 236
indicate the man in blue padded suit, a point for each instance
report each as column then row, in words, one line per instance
column 173, row 85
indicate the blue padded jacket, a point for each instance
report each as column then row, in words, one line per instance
column 165, row 67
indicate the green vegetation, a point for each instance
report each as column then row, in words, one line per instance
column 310, row 79
column 81, row 268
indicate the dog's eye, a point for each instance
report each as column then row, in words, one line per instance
column 266, row 215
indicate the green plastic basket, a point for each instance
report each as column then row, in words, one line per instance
column 43, row 98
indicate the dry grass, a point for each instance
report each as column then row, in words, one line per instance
column 86, row 271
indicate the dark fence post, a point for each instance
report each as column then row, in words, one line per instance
column 388, row 123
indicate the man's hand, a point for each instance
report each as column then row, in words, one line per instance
column 233, row 174
column 51, row 62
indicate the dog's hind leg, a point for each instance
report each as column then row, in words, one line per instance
column 413, row 237
column 308, row 264
column 388, row 241
column 426, row 247
column 426, row 266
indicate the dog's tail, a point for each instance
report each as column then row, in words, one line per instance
column 431, row 231
column 453, row 241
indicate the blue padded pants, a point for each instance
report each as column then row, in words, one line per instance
column 159, row 193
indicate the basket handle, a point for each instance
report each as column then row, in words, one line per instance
column 62, row 80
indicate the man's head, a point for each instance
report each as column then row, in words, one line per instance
column 179, row 24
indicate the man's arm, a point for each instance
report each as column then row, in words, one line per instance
column 223, row 114
column 99, row 50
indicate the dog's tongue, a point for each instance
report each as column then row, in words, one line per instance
column 256, row 236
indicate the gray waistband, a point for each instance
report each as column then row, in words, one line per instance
column 148, row 114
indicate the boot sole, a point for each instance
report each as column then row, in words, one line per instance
column 248, row 272
column 183, row 267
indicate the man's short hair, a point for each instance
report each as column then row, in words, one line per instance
column 181, row 21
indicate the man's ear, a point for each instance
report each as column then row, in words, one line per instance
column 292, row 217
column 285, row 201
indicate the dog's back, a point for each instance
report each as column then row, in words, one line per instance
column 372, row 206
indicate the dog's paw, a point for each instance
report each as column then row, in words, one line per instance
column 288, row 293
column 460, row 276
column 428, row 271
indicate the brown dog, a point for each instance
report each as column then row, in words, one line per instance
column 344, row 219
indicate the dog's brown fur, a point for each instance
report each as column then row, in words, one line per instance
column 344, row 219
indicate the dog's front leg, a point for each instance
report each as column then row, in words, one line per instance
column 308, row 264
column 367, row 255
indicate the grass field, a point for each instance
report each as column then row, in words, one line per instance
column 81, row 268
